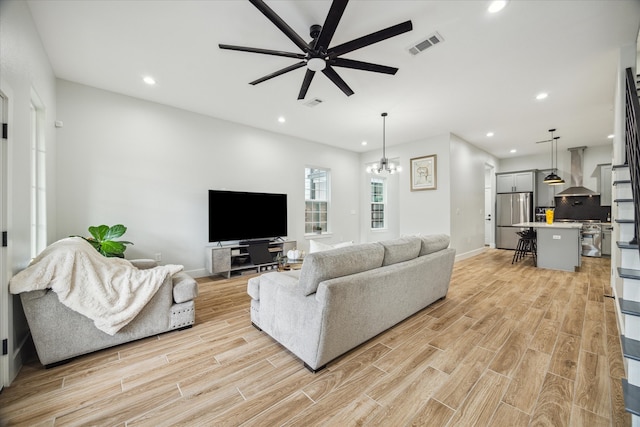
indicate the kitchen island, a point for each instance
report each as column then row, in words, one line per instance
column 559, row 245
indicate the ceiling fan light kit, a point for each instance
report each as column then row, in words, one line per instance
column 317, row 56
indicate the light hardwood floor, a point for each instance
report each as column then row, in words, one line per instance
column 511, row 345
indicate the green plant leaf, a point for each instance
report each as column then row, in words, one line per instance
column 113, row 247
column 115, row 232
column 99, row 232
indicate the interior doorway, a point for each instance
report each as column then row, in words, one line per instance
column 489, row 214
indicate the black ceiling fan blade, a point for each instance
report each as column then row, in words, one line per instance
column 262, row 51
column 337, row 80
column 330, row 24
column 366, row 66
column 370, row 39
column 279, row 72
column 305, row 83
column 283, row 26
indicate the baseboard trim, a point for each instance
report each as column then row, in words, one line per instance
column 200, row 272
column 471, row 254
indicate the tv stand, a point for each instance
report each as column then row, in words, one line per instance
column 254, row 242
column 235, row 259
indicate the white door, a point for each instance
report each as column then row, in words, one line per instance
column 489, row 220
column 4, row 279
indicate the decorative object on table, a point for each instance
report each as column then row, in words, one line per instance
column 553, row 178
column 318, row 54
column 102, row 239
column 549, row 215
column 293, row 254
column 385, row 166
column 424, row 173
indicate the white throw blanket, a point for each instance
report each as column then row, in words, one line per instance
column 109, row 291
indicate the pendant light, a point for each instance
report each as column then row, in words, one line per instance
column 553, row 178
column 385, row 165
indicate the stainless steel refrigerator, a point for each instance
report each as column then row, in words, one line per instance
column 512, row 208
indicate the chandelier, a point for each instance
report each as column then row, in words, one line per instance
column 385, row 165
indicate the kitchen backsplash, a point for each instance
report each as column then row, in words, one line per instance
column 581, row 208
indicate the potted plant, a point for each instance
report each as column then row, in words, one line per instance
column 102, row 238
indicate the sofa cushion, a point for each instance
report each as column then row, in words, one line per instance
column 434, row 243
column 399, row 250
column 320, row 266
column 316, row 246
column 185, row 288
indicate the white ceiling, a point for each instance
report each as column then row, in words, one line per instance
column 484, row 76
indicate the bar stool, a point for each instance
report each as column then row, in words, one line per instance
column 526, row 245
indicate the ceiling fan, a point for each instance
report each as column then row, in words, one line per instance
column 318, row 55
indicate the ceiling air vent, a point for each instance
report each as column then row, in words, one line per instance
column 313, row 102
column 425, row 44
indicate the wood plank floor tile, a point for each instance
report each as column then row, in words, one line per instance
column 508, row 357
column 564, row 360
column 509, row 416
column 453, row 392
column 582, row 417
column 432, row 413
column 554, row 403
column 401, row 409
column 357, row 413
column 449, row 359
column 620, row 417
column 498, row 335
column 544, row 338
column 482, row 401
column 592, row 385
column 527, row 381
column 614, row 357
column 573, row 321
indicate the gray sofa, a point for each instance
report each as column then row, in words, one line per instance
column 342, row 297
column 60, row 333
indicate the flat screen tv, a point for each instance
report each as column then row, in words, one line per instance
column 236, row 215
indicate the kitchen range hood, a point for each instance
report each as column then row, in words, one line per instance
column 576, row 189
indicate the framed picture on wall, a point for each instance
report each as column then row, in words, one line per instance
column 423, row 173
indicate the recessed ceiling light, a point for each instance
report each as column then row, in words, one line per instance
column 149, row 80
column 364, row 142
column 281, row 119
column 542, row 95
column 513, row 150
column 610, row 136
column 489, row 134
column 496, row 6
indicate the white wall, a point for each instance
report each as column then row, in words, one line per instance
column 24, row 68
column 149, row 166
column 455, row 207
column 417, row 212
column 467, row 195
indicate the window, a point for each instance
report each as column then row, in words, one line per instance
column 378, row 202
column 316, row 195
column 38, row 189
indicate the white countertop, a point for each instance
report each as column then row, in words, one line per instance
column 545, row 225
